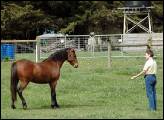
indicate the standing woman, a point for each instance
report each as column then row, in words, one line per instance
column 149, row 70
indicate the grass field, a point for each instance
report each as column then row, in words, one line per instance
column 90, row 91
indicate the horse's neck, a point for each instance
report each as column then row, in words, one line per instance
column 60, row 63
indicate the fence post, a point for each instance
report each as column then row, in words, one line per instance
column 65, row 41
column 78, row 43
column 149, row 41
column 109, row 53
column 37, row 49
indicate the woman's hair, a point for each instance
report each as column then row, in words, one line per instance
column 150, row 52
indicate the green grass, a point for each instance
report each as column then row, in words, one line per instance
column 90, row 91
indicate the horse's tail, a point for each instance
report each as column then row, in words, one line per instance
column 14, row 81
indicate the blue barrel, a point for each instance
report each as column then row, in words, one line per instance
column 7, row 51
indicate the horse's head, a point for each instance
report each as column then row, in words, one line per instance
column 72, row 57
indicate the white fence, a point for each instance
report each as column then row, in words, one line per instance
column 82, row 43
column 157, row 38
column 112, row 45
column 97, row 46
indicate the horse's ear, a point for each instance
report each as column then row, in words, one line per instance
column 70, row 49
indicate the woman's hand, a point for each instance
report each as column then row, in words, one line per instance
column 133, row 77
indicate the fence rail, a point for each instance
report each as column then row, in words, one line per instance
column 136, row 45
column 17, row 41
column 87, row 46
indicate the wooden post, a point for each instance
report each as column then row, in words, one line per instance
column 37, row 49
column 78, row 43
column 109, row 53
column 149, row 42
column 65, row 41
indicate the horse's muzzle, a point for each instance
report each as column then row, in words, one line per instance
column 76, row 65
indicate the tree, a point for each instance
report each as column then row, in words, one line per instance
column 27, row 19
column 22, row 22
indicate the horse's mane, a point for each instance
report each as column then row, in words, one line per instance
column 58, row 55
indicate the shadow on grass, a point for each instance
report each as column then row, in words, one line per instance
column 77, row 106
column 36, row 108
column 61, row 107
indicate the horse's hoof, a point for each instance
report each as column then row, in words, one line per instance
column 13, row 107
column 55, row 106
column 24, row 107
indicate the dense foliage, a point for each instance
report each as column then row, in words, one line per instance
column 27, row 19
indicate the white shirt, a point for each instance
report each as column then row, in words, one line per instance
column 150, row 66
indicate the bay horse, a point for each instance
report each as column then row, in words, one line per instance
column 46, row 72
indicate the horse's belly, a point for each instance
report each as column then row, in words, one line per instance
column 41, row 80
column 44, row 78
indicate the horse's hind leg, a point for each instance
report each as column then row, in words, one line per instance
column 20, row 88
column 13, row 104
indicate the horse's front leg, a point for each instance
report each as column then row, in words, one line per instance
column 54, row 103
